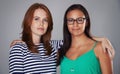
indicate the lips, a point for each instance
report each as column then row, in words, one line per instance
column 76, row 29
column 41, row 29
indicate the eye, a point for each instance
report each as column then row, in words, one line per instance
column 80, row 19
column 36, row 18
column 70, row 20
column 45, row 20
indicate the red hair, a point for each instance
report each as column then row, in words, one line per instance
column 27, row 34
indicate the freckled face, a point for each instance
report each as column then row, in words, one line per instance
column 78, row 22
column 39, row 23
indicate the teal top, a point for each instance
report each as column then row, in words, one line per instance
column 87, row 63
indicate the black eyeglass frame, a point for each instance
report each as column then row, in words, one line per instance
column 71, row 21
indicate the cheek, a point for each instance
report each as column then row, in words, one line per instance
column 46, row 27
column 84, row 26
column 32, row 29
column 33, row 22
column 69, row 28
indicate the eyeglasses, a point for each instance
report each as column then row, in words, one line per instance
column 79, row 20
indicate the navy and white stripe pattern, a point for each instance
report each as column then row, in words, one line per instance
column 22, row 61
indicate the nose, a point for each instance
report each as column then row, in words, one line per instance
column 75, row 23
column 41, row 23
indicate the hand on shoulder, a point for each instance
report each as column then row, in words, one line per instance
column 15, row 42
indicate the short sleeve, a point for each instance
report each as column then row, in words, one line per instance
column 16, row 59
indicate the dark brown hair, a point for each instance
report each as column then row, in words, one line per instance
column 27, row 34
column 66, row 34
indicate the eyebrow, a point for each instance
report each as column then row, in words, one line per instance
column 75, row 18
column 35, row 16
column 39, row 17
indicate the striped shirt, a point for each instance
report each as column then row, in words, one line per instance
column 22, row 61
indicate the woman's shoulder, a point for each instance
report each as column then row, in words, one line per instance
column 18, row 47
column 99, row 51
column 99, row 45
column 22, row 45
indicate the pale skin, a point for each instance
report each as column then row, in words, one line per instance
column 39, row 25
column 82, row 44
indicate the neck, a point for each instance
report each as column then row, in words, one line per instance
column 79, row 40
column 36, row 39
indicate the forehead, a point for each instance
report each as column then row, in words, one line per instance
column 40, row 12
column 75, row 13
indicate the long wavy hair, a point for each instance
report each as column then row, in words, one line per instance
column 66, row 34
column 27, row 33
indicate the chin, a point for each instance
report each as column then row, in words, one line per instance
column 40, row 34
column 78, row 34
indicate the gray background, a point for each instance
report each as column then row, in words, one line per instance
column 105, row 19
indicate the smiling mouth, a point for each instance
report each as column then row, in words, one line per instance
column 75, row 29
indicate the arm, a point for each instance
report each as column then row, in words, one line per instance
column 106, row 44
column 16, row 60
column 104, row 59
column 56, row 43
